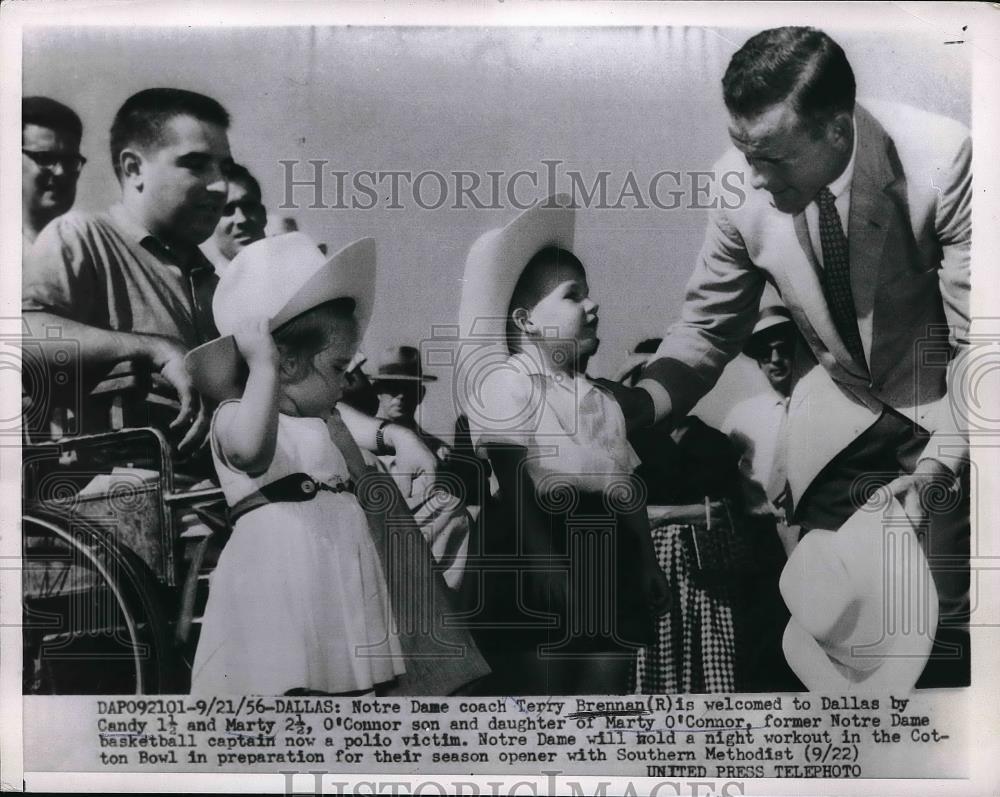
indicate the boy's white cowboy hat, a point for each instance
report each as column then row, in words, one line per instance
column 498, row 257
column 492, row 269
column 863, row 603
column 278, row 278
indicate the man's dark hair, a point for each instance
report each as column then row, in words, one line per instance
column 801, row 64
column 46, row 112
column 237, row 173
column 140, row 121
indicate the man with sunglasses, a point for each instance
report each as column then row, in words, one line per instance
column 757, row 424
column 50, row 161
column 758, row 429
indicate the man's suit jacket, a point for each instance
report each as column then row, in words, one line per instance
column 909, row 242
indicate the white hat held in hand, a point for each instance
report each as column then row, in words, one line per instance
column 863, row 603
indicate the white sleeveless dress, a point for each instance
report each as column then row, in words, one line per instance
column 298, row 599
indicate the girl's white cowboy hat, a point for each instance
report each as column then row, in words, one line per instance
column 863, row 603
column 279, row 278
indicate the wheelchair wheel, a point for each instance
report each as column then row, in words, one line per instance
column 94, row 615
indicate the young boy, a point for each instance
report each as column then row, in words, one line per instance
column 575, row 598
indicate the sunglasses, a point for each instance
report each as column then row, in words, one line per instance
column 71, row 163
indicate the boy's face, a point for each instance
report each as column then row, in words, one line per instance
column 567, row 314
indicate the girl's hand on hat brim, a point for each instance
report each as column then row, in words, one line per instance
column 253, row 339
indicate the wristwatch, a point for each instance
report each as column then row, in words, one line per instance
column 381, row 449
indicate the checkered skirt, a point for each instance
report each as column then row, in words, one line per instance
column 695, row 650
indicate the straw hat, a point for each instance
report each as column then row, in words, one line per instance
column 863, row 603
column 279, row 278
column 770, row 317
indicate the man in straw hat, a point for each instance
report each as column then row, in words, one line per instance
column 757, row 425
column 758, row 429
column 860, row 217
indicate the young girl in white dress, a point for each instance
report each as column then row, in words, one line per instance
column 298, row 601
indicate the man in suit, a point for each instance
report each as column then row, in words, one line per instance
column 859, row 216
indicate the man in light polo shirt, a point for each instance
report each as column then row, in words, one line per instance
column 130, row 284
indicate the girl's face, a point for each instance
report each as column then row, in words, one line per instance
column 566, row 317
column 324, row 382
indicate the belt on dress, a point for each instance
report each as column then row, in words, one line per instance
column 295, row 487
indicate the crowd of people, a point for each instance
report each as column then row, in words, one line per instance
column 578, row 534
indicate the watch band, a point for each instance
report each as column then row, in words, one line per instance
column 381, row 449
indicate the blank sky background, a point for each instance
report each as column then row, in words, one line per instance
column 641, row 99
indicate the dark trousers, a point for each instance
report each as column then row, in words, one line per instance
column 886, row 450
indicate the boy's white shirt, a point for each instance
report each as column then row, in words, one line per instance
column 574, row 430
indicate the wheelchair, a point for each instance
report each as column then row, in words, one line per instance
column 117, row 550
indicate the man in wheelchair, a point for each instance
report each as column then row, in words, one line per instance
column 125, row 294
column 112, row 302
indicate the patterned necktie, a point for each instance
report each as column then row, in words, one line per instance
column 837, row 275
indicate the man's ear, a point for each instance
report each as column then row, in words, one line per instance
column 131, row 164
column 840, row 129
column 522, row 320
